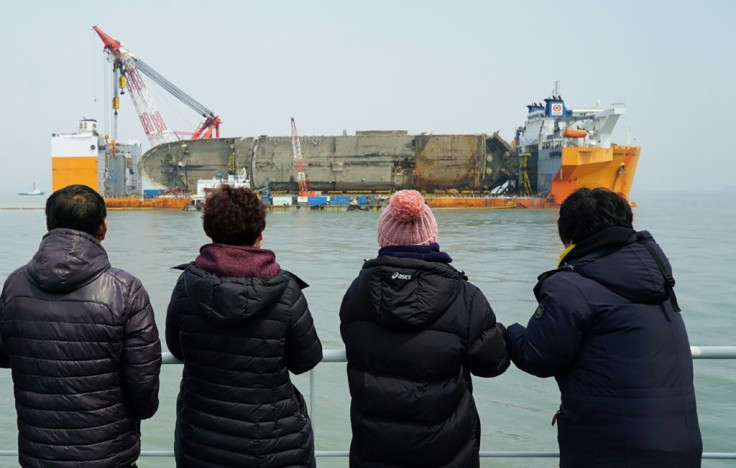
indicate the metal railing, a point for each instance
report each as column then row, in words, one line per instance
column 338, row 355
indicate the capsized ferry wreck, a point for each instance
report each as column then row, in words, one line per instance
column 558, row 150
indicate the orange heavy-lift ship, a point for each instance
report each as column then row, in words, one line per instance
column 558, row 151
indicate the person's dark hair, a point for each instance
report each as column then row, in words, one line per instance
column 234, row 216
column 588, row 211
column 76, row 207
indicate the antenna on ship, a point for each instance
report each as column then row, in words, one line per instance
column 556, row 91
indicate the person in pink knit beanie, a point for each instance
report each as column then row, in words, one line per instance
column 407, row 220
column 415, row 330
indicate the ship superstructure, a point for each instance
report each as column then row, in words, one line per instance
column 121, row 176
column 206, row 186
column 78, row 158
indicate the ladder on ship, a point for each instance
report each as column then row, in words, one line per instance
column 526, row 186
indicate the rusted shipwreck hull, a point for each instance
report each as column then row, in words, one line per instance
column 367, row 161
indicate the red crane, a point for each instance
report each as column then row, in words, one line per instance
column 296, row 150
column 126, row 67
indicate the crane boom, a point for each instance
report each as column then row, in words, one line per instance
column 154, row 126
column 172, row 88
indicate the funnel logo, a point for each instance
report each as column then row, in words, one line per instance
column 398, row 275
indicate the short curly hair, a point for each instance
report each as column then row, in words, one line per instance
column 588, row 211
column 233, row 216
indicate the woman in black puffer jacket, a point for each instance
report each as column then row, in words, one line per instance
column 240, row 323
column 415, row 329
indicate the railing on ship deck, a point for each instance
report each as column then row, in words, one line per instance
column 338, row 355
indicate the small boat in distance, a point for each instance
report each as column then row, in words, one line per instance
column 33, row 191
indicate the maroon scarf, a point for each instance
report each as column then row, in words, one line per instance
column 240, row 261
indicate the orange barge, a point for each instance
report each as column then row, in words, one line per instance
column 490, row 202
column 157, row 203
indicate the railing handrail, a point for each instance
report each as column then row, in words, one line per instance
column 339, row 355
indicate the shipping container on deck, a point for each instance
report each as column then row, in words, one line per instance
column 340, row 200
column 316, row 201
column 282, row 201
column 151, row 193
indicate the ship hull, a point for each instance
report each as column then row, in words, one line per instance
column 612, row 168
column 367, row 161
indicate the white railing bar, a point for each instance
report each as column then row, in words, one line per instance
column 345, row 454
column 338, row 355
column 713, row 352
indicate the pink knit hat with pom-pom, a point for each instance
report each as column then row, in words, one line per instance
column 407, row 220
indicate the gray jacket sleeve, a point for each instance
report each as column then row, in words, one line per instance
column 141, row 354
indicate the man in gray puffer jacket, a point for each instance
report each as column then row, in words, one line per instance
column 82, row 343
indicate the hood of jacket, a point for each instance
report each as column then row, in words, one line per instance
column 231, row 299
column 618, row 259
column 66, row 260
column 409, row 293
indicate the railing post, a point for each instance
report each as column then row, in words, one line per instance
column 311, row 397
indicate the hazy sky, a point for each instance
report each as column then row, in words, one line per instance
column 421, row 66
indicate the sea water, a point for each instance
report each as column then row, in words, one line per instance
column 501, row 251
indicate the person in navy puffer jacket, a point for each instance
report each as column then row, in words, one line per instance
column 608, row 328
